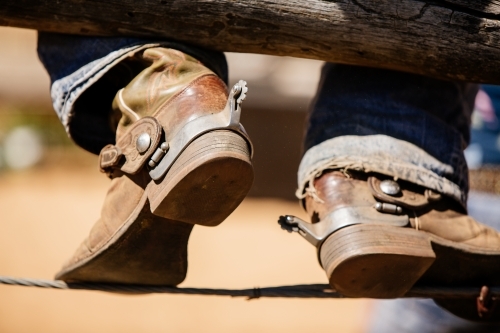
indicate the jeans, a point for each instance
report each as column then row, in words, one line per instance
column 86, row 73
column 403, row 125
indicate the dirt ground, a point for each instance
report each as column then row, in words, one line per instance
column 46, row 212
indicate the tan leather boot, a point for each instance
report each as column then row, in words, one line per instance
column 377, row 237
column 181, row 158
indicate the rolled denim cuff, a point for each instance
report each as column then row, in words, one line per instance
column 67, row 90
column 381, row 154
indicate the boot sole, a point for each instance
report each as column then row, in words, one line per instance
column 385, row 262
column 207, row 182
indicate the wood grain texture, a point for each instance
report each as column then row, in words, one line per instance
column 454, row 39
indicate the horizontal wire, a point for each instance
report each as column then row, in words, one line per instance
column 295, row 291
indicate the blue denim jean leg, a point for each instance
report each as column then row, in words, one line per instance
column 404, row 125
column 86, row 73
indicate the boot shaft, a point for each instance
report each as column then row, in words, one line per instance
column 174, row 87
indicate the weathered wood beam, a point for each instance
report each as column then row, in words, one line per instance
column 453, row 39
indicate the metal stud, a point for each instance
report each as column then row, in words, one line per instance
column 143, row 142
column 388, row 208
column 164, row 146
column 390, row 187
column 158, row 154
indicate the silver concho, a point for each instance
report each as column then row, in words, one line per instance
column 390, row 187
column 143, row 142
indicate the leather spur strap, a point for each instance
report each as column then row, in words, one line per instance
column 408, row 195
column 134, row 148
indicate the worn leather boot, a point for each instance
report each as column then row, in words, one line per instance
column 377, row 237
column 181, row 158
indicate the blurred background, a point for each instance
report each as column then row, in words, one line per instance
column 51, row 194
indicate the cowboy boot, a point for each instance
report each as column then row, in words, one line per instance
column 181, row 158
column 377, row 237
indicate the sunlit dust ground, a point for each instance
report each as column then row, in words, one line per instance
column 46, row 212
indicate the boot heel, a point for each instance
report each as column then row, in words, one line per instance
column 207, row 182
column 375, row 261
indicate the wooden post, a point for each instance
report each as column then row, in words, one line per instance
column 453, row 39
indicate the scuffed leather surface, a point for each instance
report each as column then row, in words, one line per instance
column 120, row 204
column 172, row 91
column 175, row 88
column 444, row 218
column 412, row 197
column 109, row 157
column 126, row 146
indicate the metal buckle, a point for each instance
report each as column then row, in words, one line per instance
column 228, row 119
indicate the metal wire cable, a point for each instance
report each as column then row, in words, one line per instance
column 296, row 291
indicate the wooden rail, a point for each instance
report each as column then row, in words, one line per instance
column 453, row 39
